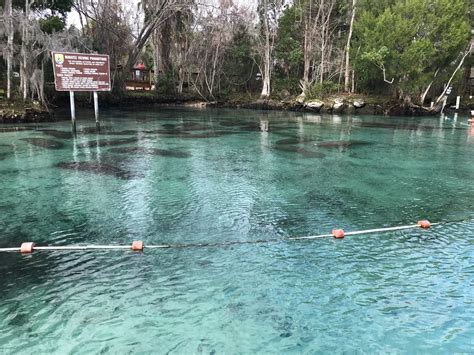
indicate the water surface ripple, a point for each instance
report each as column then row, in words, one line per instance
column 194, row 176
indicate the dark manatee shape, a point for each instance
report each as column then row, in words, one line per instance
column 183, row 129
column 171, row 132
column 293, row 141
column 392, row 125
column 232, row 123
column 124, row 133
column 3, row 155
column 14, row 129
column 295, row 149
column 204, row 135
column 107, row 143
column 57, row 134
column 251, row 127
column 223, row 133
column 193, row 126
column 151, row 151
column 341, row 144
column 89, row 130
column 44, row 143
column 20, row 319
column 97, row 168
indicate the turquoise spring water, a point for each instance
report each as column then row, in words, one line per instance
column 188, row 176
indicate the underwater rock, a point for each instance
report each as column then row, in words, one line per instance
column 97, row 168
column 151, row 151
column 44, row 143
column 106, row 143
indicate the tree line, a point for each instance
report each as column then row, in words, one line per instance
column 412, row 50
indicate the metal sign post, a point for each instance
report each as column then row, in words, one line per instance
column 96, row 110
column 73, row 111
column 81, row 72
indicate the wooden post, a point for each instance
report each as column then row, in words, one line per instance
column 458, row 102
column 73, row 111
column 96, row 111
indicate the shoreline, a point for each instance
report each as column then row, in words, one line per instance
column 20, row 113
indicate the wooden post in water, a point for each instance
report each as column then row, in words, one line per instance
column 458, row 102
column 73, row 111
column 96, row 111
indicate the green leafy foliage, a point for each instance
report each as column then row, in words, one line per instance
column 289, row 41
column 55, row 6
column 239, row 67
column 166, row 83
column 411, row 40
column 321, row 90
column 52, row 24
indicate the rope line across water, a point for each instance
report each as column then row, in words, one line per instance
column 29, row 247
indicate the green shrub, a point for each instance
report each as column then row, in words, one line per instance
column 321, row 90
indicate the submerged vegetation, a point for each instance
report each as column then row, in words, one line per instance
column 302, row 50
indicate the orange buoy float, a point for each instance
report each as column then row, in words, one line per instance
column 27, row 248
column 137, row 245
column 338, row 233
column 425, row 224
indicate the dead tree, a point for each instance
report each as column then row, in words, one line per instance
column 348, row 47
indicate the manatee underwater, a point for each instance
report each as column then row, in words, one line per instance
column 341, row 144
column 44, row 143
column 98, row 168
column 151, row 151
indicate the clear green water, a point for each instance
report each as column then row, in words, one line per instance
column 402, row 292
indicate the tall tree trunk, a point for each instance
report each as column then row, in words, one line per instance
column 353, row 81
column 455, row 71
column 423, row 95
column 267, row 58
column 156, row 57
column 323, row 48
column 25, row 51
column 348, row 47
column 9, row 29
column 307, row 49
column 165, row 45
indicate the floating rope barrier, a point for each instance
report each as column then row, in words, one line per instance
column 138, row 245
